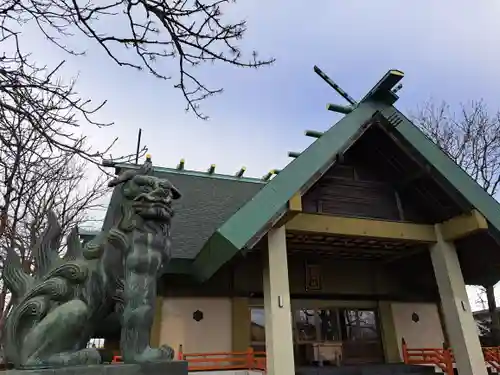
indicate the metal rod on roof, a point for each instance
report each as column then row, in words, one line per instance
column 313, row 133
column 180, row 166
column 138, row 146
column 344, row 109
column 240, row 172
column 211, row 170
column 333, row 85
column 293, row 154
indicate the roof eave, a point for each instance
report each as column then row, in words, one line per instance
column 120, row 167
column 217, row 251
column 466, row 186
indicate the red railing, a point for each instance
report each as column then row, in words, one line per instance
column 492, row 357
column 444, row 358
column 439, row 357
column 247, row 360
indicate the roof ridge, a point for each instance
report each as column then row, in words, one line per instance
column 250, row 222
column 195, row 173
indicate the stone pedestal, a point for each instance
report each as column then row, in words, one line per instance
column 153, row 368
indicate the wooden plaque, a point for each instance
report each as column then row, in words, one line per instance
column 313, row 277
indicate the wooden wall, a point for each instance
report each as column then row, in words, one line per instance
column 353, row 188
column 339, row 279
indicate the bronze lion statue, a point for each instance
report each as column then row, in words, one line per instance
column 57, row 307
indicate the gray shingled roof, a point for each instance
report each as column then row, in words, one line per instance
column 207, row 202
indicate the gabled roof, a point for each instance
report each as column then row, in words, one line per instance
column 252, row 221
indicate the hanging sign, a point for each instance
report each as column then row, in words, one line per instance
column 313, row 277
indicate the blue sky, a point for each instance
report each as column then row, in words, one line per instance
column 262, row 113
column 448, row 50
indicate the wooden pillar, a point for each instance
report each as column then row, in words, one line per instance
column 389, row 337
column 241, row 324
column 278, row 317
column 457, row 312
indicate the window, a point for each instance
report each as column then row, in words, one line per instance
column 96, row 343
column 320, row 325
column 317, row 325
column 361, row 325
column 306, row 321
column 257, row 328
column 329, row 325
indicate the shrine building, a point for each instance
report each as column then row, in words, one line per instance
column 366, row 237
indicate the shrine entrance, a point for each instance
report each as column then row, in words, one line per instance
column 328, row 335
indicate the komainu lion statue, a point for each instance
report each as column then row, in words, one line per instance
column 57, row 307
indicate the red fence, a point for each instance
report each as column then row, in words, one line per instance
column 444, row 358
column 247, row 360
column 251, row 360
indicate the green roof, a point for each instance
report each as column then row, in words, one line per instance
column 208, row 200
column 220, row 216
column 252, row 221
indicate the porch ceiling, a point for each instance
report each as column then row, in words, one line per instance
column 355, row 248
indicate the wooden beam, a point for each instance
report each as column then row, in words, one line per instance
column 354, row 227
column 382, row 90
column 295, row 204
column 333, row 85
column 339, row 108
column 241, row 324
column 313, row 133
column 294, row 207
column 463, row 225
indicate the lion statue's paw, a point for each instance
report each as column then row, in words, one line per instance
column 163, row 353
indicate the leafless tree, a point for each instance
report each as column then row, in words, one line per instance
column 40, row 119
column 43, row 167
column 142, row 34
column 63, row 191
column 43, row 150
column 471, row 137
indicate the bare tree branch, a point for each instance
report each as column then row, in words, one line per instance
column 43, row 165
column 471, row 137
column 44, row 153
column 191, row 32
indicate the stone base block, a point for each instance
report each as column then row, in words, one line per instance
column 153, row 368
